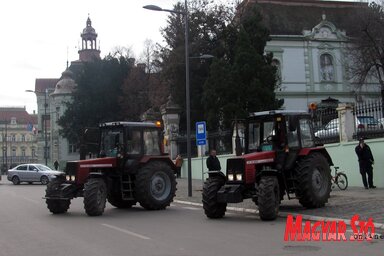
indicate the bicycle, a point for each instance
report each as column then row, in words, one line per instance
column 340, row 179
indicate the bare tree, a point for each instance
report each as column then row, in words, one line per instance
column 367, row 51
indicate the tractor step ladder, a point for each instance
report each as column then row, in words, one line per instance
column 126, row 187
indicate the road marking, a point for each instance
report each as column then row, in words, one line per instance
column 126, row 231
column 191, row 208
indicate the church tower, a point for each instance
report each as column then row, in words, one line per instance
column 89, row 51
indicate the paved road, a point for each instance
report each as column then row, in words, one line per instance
column 27, row 228
column 341, row 205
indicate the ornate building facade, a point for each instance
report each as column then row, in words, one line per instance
column 309, row 42
column 18, row 137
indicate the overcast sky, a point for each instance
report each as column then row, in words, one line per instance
column 38, row 36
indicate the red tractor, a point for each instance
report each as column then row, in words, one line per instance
column 281, row 158
column 131, row 167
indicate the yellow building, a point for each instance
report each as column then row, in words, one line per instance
column 18, row 137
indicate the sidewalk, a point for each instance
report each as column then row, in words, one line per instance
column 341, row 205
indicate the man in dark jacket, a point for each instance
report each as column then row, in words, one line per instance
column 213, row 163
column 366, row 161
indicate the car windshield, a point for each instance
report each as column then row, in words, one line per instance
column 43, row 167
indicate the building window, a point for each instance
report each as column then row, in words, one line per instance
column 23, row 152
column 13, row 138
column 72, row 148
column 22, row 137
column 13, row 151
column 326, row 67
column 13, row 120
column 33, row 152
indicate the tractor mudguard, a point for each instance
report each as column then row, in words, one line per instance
column 267, row 172
column 64, row 191
column 230, row 194
column 216, row 174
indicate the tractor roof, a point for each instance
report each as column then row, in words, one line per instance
column 156, row 124
column 278, row 112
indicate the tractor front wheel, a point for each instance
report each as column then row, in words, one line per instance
column 56, row 206
column 268, row 198
column 95, row 196
column 212, row 208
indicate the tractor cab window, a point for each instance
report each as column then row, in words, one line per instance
column 111, row 142
column 307, row 140
column 254, row 136
column 134, row 142
column 151, row 142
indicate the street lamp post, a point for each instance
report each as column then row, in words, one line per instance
column 187, row 93
column 45, row 124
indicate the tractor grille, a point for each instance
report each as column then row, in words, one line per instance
column 71, row 168
column 236, row 170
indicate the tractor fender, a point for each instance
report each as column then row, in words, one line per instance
column 322, row 150
column 212, row 174
column 165, row 159
column 267, row 172
column 96, row 175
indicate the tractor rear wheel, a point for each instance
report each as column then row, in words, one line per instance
column 313, row 181
column 118, row 202
column 268, row 198
column 212, row 208
column 155, row 186
column 56, row 206
column 95, row 196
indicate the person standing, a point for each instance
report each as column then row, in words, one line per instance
column 365, row 157
column 213, row 163
column 56, row 165
column 178, row 163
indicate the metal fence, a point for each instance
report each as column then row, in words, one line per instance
column 368, row 116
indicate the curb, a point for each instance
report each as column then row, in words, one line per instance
column 282, row 214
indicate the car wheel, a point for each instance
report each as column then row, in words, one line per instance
column 44, row 180
column 15, row 180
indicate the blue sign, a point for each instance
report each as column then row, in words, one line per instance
column 201, row 133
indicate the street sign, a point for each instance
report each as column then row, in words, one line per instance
column 201, row 133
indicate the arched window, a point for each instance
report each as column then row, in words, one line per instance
column 326, row 67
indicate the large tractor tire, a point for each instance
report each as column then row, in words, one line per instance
column 56, row 206
column 269, row 198
column 212, row 208
column 313, row 181
column 155, row 186
column 95, row 196
column 118, row 202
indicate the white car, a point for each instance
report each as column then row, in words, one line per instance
column 31, row 173
column 331, row 129
column 362, row 123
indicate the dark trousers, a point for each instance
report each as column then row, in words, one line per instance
column 367, row 172
column 178, row 172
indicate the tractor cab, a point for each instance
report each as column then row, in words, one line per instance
column 278, row 130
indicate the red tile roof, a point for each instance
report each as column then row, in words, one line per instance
column 42, row 84
column 21, row 115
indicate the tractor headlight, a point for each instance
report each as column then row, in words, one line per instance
column 70, row 177
column 231, row 177
column 239, row 177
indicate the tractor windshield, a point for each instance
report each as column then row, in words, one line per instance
column 111, row 142
column 260, row 134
